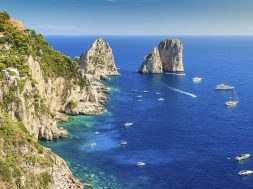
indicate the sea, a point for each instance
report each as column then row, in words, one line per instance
column 187, row 141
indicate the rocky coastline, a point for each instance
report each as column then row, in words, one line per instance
column 44, row 87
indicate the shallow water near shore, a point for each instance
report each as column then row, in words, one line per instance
column 184, row 140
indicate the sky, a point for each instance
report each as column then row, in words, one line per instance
column 133, row 17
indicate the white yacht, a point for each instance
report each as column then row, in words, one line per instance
column 145, row 91
column 140, row 164
column 160, row 99
column 222, row 86
column 245, row 172
column 233, row 99
column 97, row 133
column 128, row 124
column 242, row 157
column 197, row 79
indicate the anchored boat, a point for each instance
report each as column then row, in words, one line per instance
column 222, row 86
column 141, row 164
column 233, row 99
column 245, row 172
column 128, row 124
column 242, row 157
column 197, row 79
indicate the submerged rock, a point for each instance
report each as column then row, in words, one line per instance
column 168, row 57
column 98, row 60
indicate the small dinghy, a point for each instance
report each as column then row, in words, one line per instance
column 242, row 157
column 92, row 145
column 128, row 124
column 97, row 133
column 123, row 143
column 140, row 164
column 197, row 79
column 160, row 99
column 245, row 172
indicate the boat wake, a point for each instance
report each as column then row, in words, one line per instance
column 182, row 92
column 182, row 74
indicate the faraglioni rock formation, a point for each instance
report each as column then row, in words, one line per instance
column 98, row 60
column 167, row 57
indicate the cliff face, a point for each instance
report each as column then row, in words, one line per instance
column 38, row 86
column 37, row 104
column 168, row 57
column 98, row 60
column 152, row 63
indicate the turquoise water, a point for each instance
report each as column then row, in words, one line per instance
column 184, row 141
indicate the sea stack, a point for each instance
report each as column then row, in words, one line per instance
column 167, row 57
column 98, row 60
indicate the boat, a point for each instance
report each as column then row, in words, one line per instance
column 140, row 164
column 92, row 145
column 157, row 93
column 128, row 124
column 197, row 79
column 139, row 100
column 242, row 157
column 123, row 143
column 145, row 91
column 160, row 99
column 233, row 99
column 97, row 133
column 222, row 86
column 134, row 90
column 139, row 96
column 245, row 172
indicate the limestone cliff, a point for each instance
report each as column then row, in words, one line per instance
column 168, row 57
column 152, row 63
column 38, row 85
column 98, row 60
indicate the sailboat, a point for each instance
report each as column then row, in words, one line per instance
column 233, row 99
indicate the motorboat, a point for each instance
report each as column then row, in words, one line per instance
column 145, row 91
column 128, row 124
column 245, row 172
column 140, row 164
column 134, row 90
column 97, row 133
column 233, row 99
column 157, row 93
column 92, row 145
column 139, row 100
column 242, row 157
column 139, row 96
column 160, row 99
column 197, row 79
column 222, row 86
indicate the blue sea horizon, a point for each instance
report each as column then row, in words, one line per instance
column 184, row 141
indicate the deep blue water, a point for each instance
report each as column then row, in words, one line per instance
column 184, row 141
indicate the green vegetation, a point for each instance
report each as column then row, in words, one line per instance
column 25, row 43
column 19, row 149
column 73, row 103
